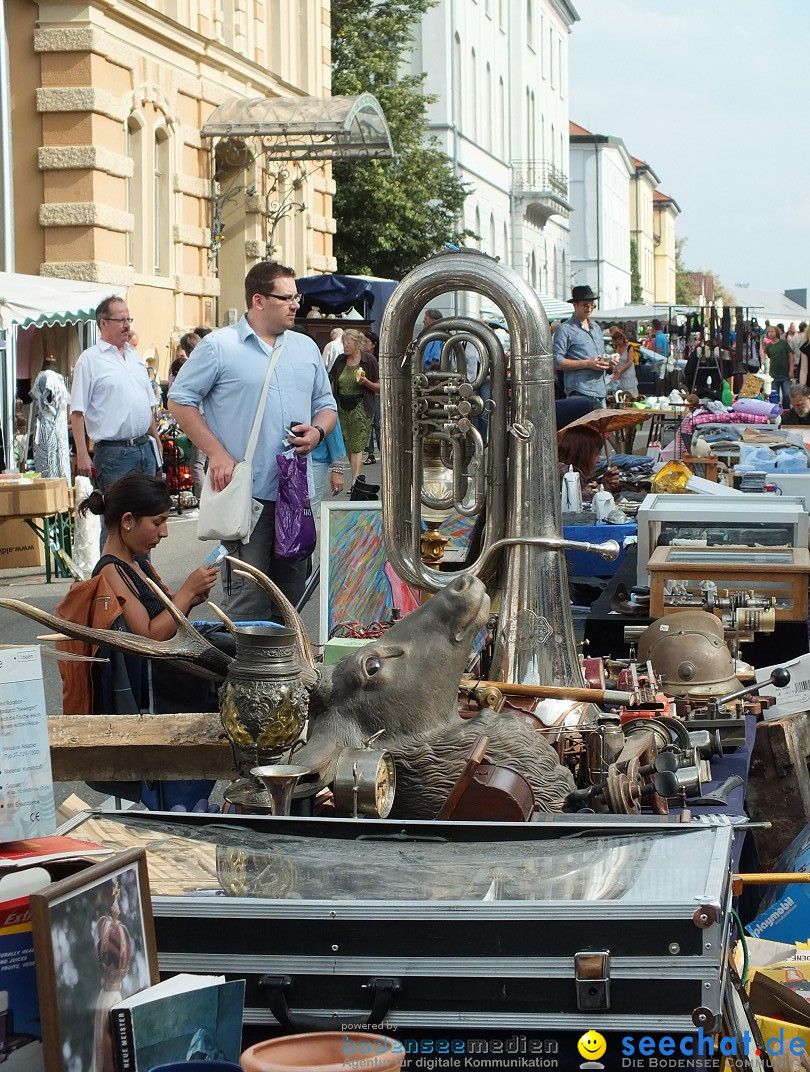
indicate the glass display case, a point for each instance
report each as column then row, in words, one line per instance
column 681, row 576
column 745, row 523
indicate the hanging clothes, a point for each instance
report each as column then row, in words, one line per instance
column 51, row 448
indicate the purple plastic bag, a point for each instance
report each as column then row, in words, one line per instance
column 295, row 525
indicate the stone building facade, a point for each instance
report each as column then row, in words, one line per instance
column 112, row 177
column 498, row 70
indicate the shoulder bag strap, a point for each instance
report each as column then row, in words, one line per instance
column 257, row 420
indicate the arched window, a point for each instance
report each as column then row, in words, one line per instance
column 474, row 95
column 488, row 110
column 533, row 274
column 458, row 115
column 492, row 250
column 134, row 193
column 478, row 226
column 161, row 223
column 553, row 146
column 551, row 71
column 528, row 123
column 506, row 253
column 532, row 128
column 502, row 119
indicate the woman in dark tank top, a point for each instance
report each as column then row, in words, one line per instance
column 136, row 509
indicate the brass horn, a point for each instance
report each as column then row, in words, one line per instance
column 534, row 642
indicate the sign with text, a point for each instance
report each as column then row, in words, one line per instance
column 26, row 785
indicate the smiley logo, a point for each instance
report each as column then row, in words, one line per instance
column 592, row 1046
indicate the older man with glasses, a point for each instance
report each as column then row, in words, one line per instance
column 225, row 375
column 579, row 350
column 112, row 401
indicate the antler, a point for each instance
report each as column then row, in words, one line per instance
column 223, row 617
column 292, row 619
column 186, row 647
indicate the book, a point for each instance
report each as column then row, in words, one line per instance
column 43, row 850
column 185, row 1018
column 20, row 1028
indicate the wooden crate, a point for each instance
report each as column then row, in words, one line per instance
column 779, row 784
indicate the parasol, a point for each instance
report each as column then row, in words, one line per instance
column 609, row 421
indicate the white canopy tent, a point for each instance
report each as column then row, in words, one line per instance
column 39, row 301
column 640, row 311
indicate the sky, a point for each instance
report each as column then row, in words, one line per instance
column 713, row 95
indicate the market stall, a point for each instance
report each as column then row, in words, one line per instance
column 31, row 305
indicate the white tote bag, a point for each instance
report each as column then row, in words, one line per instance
column 227, row 515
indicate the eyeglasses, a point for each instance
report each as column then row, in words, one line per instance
column 119, row 319
column 297, row 298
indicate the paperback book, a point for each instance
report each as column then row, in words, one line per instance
column 185, row 1018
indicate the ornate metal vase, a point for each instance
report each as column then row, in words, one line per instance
column 263, row 705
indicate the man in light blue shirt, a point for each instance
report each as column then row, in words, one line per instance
column 226, row 373
column 661, row 343
column 579, row 350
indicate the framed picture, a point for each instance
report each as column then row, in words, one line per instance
column 358, row 583
column 94, row 943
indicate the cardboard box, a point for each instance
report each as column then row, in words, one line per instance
column 337, row 647
column 33, row 498
column 20, row 545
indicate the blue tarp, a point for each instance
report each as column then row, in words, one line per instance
column 337, row 293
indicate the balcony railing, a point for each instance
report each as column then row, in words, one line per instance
column 539, row 175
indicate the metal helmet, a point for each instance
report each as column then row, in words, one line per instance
column 689, row 655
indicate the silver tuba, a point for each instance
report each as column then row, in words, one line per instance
column 534, row 641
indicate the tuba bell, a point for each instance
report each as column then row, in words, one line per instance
column 514, row 480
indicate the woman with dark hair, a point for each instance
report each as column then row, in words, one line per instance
column 581, row 447
column 136, row 509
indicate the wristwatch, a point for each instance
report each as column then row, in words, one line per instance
column 321, row 433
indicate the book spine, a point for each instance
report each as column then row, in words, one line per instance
column 123, row 1040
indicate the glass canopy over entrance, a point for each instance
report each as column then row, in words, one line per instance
column 306, row 128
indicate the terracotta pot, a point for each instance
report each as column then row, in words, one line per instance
column 325, row 1051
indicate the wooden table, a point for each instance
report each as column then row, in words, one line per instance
column 663, row 419
column 46, row 506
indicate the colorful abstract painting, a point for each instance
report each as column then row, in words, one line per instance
column 358, row 583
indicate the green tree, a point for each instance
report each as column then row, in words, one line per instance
column 684, row 286
column 390, row 213
column 635, row 274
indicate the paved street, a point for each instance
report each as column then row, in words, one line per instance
column 173, row 559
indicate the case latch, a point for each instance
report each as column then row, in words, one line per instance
column 592, row 974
